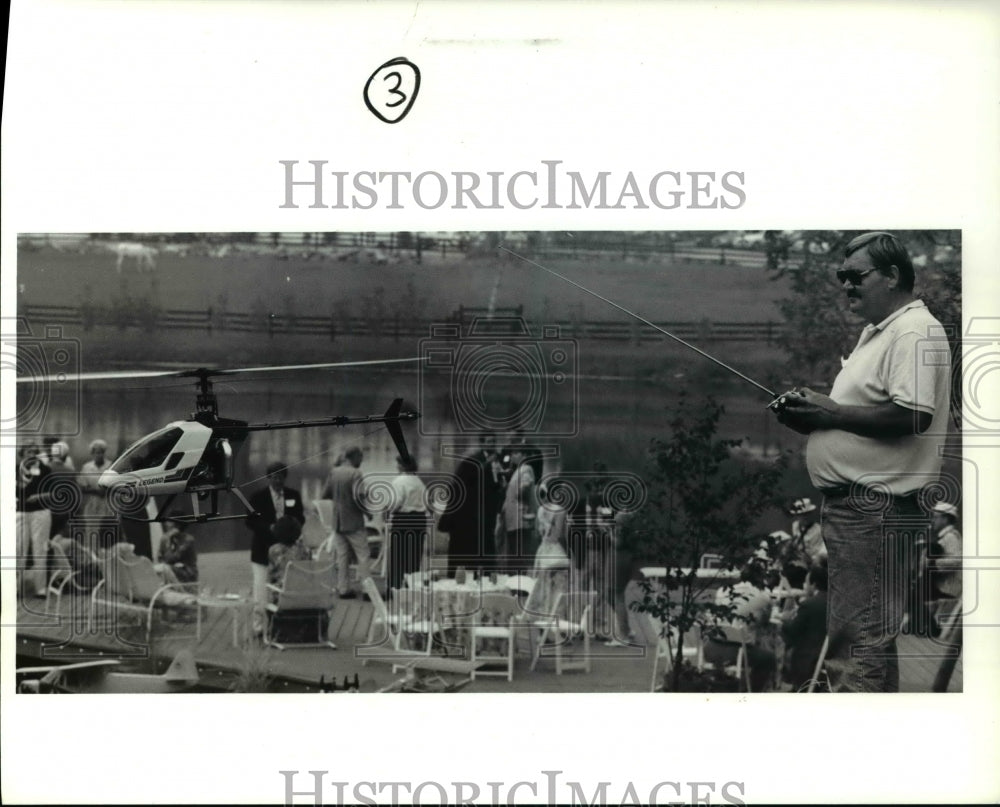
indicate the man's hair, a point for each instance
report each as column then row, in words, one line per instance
column 354, row 452
column 755, row 573
column 819, row 577
column 276, row 468
column 885, row 250
column 795, row 574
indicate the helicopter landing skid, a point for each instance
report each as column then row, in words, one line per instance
column 196, row 516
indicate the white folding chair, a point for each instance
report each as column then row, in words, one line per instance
column 663, row 644
column 734, row 635
column 820, row 661
column 497, row 621
column 307, row 592
column 571, row 617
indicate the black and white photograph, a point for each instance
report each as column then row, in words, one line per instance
column 551, row 482
column 621, row 379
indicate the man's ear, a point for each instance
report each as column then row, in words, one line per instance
column 893, row 277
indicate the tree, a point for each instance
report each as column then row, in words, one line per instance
column 701, row 500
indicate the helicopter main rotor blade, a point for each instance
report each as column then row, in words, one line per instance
column 285, row 367
column 112, row 375
column 104, row 376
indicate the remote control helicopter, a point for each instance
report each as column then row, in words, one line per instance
column 196, row 456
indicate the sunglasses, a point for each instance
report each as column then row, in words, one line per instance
column 852, row 276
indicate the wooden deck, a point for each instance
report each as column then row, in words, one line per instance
column 64, row 637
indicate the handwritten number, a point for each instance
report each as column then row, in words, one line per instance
column 395, row 90
column 393, row 101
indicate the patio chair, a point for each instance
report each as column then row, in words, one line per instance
column 520, row 585
column 571, row 617
column 132, row 584
column 300, row 615
column 415, row 580
column 497, row 622
column 64, row 578
column 664, row 647
column 736, row 636
column 818, row 669
column 381, row 618
column 414, row 614
column 377, row 545
column 317, row 531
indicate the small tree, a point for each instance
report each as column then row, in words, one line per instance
column 701, row 501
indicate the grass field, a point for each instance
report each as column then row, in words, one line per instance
column 660, row 289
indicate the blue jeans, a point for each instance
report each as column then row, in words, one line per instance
column 871, row 539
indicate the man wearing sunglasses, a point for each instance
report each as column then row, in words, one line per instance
column 873, row 445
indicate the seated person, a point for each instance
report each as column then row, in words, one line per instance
column 945, row 557
column 82, row 562
column 177, row 558
column 751, row 617
column 120, row 549
column 805, row 630
column 287, row 532
column 790, row 588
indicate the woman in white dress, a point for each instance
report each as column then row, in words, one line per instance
column 551, row 566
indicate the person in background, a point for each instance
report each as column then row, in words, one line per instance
column 515, row 532
column 470, row 518
column 807, row 533
column 805, row 629
column 408, row 523
column 288, row 546
column 65, row 496
column 551, row 566
column 33, row 521
column 269, row 504
column 346, row 490
column 59, row 450
column 751, row 618
column 95, row 500
column 626, row 583
column 946, row 582
column 176, row 557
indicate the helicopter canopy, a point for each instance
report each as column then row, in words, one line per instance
column 149, row 452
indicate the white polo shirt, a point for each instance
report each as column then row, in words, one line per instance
column 409, row 494
column 905, row 360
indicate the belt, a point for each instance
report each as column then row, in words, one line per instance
column 864, row 491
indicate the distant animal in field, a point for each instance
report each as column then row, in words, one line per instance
column 144, row 256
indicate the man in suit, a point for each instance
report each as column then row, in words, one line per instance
column 470, row 519
column 269, row 503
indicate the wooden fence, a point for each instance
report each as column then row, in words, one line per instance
column 213, row 320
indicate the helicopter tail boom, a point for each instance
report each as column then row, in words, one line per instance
column 392, row 418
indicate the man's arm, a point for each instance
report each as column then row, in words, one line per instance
column 808, row 411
